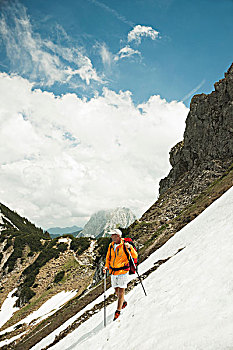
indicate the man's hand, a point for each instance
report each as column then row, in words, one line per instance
column 105, row 269
column 128, row 245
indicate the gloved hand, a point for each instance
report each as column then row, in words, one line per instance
column 128, row 245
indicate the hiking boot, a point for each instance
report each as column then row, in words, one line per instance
column 124, row 304
column 117, row 314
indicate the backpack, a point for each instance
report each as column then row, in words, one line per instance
column 132, row 269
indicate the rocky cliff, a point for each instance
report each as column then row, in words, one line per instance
column 208, row 137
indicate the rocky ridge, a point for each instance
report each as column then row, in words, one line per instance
column 208, row 137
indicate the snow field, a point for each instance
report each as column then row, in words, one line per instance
column 8, row 308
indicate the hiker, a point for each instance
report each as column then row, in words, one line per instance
column 117, row 263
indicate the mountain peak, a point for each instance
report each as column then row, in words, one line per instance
column 104, row 220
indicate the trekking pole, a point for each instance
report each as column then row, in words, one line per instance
column 137, row 273
column 105, row 299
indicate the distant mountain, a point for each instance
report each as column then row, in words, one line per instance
column 55, row 235
column 59, row 231
column 76, row 233
column 103, row 221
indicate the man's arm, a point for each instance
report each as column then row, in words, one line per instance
column 131, row 250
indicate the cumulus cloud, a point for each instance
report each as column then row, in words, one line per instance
column 139, row 31
column 63, row 158
column 41, row 60
column 135, row 35
column 126, row 51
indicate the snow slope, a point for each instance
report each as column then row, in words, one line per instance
column 51, row 337
column 8, row 308
column 47, row 309
column 190, row 297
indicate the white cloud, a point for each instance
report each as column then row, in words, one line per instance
column 139, row 31
column 41, row 60
column 86, row 71
column 126, row 51
column 63, row 158
column 105, row 54
column 108, row 58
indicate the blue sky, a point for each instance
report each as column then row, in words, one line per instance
column 93, row 95
column 192, row 49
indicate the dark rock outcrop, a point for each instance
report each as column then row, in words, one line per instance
column 208, row 137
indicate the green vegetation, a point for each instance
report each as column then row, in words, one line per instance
column 67, row 235
column 102, row 245
column 70, row 264
column 45, row 255
column 20, row 242
column 79, row 245
column 49, row 251
column 22, row 224
column 32, row 271
column 25, row 294
column 101, row 248
column 8, row 244
column 19, row 232
column 59, row 276
column 62, row 247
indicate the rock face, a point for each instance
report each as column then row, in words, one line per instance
column 104, row 220
column 208, row 137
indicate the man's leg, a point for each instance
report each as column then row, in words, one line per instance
column 117, row 291
column 121, row 296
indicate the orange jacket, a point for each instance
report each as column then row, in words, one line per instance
column 118, row 258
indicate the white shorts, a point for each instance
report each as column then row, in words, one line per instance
column 120, row 280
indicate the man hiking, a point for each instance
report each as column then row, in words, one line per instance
column 117, row 263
